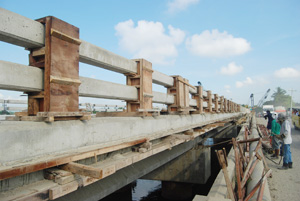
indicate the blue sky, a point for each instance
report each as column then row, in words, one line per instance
column 234, row 47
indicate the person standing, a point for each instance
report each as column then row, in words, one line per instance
column 285, row 133
column 275, row 135
column 270, row 119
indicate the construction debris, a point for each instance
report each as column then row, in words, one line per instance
column 244, row 166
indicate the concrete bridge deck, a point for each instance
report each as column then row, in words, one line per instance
column 103, row 143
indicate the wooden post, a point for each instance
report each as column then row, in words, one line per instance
column 216, row 101
column 199, row 99
column 237, row 168
column 222, row 104
column 143, row 81
column 222, row 163
column 225, row 105
column 60, row 61
column 209, row 102
column 180, row 90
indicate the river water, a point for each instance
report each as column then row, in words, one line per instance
column 150, row 190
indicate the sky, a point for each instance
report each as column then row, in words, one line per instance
column 233, row 47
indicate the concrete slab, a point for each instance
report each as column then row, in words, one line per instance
column 27, row 140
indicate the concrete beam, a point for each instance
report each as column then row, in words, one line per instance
column 163, row 98
column 162, row 79
column 97, row 56
column 102, row 89
column 25, row 32
column 13, row 101
column 19, row 77
column 19, row 30
column 193, row 102
column 71, row 136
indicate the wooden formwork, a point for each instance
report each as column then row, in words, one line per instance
column 222, row 110
column 143, row 82
column 208, row 100
column 199, row 99
column 60, row 60
column 216, row 102
column 180, row 90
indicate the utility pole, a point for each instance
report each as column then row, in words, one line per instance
column 292, row 90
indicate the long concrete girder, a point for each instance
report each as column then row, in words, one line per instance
column 31, row 140
column 20, row 77
column 19, row 30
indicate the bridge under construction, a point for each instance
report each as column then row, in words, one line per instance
column 54, row 150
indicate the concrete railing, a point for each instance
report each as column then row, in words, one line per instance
column 27, row 33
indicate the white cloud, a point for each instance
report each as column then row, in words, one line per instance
column 227, row 88
column 148, row 40
column 217, row 44
column 246, row 82
column 179, row 5
column 231, row 69
column 287, row 73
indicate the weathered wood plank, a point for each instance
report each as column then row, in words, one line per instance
column 84, row 170
column 62, row 190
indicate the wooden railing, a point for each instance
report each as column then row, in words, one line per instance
column 54, row 88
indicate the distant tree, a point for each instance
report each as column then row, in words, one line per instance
column 269, row 102
column 280, row 98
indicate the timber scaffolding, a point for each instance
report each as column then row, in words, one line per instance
column 244, row 170
column 53, row 85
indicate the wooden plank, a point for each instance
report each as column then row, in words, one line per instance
column 249, row 140
column 263, row 179
column 64, row 80
column 61, row 114
column 33, row 167
column 38, row 52
column 84, row 170
column 65, row 37
column 226, row 176
column 62, row 190
column 64, row 179
column 237, row 168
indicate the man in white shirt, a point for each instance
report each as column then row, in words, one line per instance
column 286, row 136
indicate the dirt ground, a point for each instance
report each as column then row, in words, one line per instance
column 285, row 184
